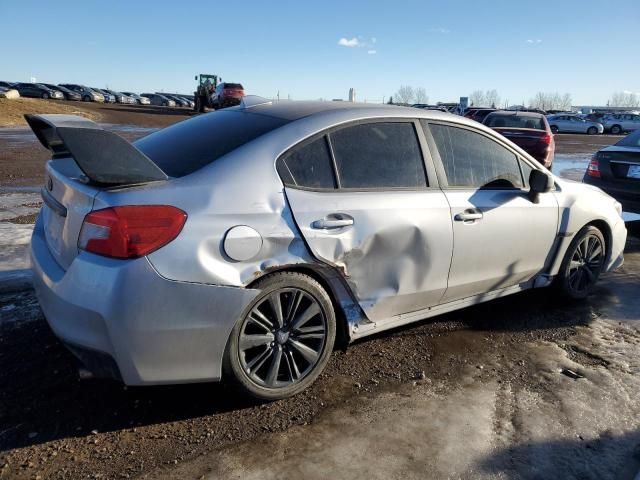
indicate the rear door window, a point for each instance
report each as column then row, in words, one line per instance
column 308, row 166
column 473, row 160
column 188, row 146
column 378, row 155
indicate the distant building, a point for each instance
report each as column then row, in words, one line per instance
column 352, row 94
column 595, row 109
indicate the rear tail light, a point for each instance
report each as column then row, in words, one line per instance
column 130, row 231
column 593, row 170
column 546, row 139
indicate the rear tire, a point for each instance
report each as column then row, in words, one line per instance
column 592, row 131
column 554, row 129
column 273, row 355
column 616, row 130
column 582, row 264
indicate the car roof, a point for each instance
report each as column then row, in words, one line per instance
column 294, row 110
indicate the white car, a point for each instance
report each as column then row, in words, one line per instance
column 6, row 92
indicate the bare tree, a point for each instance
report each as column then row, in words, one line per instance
column 420, row 95
column 624, row 99
column 566, row 102
column 492, row 98
column 405, row 94
column 551, row 101
column 477, row 98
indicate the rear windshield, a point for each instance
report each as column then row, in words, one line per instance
column 233, row 85
column 631, row 140
column 514, row 121
column 188, row 146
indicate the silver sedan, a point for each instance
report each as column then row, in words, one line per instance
column 244, row 244
column 573, row 124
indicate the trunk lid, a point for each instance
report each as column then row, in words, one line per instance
column 620, row 164
column 66, row 202
column 523, row 137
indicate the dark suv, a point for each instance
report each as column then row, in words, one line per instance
column 616, row 170
column 479, row 114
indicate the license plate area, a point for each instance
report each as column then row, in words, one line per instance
column 634, row 171
column 53, row 230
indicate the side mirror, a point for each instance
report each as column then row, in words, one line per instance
column 196, row 77
column 539, row 182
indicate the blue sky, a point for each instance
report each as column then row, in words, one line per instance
column 586, row 48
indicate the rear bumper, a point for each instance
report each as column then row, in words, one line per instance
column 156, row 331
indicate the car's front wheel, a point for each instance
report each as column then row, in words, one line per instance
column 592, row 131
column 582, row 264
column 284, row 340
column 45, row 96
column 616, row 130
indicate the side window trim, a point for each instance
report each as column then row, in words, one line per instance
column 334, row 166
column 435, row 153
column 429, row 163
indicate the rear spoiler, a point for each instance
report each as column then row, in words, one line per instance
column 103, row 156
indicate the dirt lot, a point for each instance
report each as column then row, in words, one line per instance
column 478, row 393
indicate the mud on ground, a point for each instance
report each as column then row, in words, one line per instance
column 56, row 426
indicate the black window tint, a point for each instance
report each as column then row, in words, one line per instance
column 378, row 155
column 308, row 166
column 188, row 146
column 473, row 160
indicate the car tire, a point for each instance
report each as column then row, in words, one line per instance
column 271, row 359
column 582, row 264
column 616, row 130
column 45, row 96
column 554, row 129
column 86, row 98
column 592, row 131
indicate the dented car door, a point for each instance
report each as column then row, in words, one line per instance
column 368, row 204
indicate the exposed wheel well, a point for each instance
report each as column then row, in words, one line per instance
column 342, row 325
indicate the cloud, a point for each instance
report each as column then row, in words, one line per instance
column 372, row 52
column 536, row 41
column 345, row 42
column 440, row 30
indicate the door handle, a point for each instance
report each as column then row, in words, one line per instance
column 468, row 215
column 335, row 220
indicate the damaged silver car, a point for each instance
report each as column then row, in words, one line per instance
column 244, row 244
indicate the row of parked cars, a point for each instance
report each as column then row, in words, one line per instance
column 571, row 122
column 73, row 91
